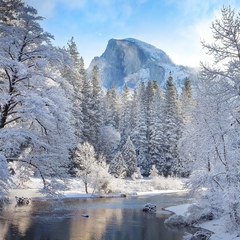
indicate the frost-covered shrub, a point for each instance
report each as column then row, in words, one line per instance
column 137, row 174
column 161, row 182
column 101, row 179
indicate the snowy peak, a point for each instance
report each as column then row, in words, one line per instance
column 152, row 52
column 130, row 61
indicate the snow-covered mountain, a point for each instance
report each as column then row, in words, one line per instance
column 129, row 61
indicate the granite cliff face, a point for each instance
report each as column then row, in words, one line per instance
column 130, row 61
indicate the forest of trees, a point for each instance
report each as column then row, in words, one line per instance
column 49, row 105
column 56, row 121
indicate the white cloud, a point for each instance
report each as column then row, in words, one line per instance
column 45, row 8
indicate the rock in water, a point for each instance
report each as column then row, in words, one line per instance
column 150, row 208
column 22, row 200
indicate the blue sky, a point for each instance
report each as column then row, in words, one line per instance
column 175, row 26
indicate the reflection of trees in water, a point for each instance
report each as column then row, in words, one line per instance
column 63, row 220
column 121, row 224
column 17, row 217
column 96, row 225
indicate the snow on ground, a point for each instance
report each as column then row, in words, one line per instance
column 215, row 226
column 75, row 188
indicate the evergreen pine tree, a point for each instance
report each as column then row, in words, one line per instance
column 172, row 129
column 75, row 76
column 125, row 115
column 87, row 110
column 118, row 166
column 157, row 137
column 153, row 172
column 112, row 107
column 129, row 155
column 97, row 99
column 186, row 100
column 140, row 131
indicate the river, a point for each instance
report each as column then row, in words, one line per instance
column 109, row 219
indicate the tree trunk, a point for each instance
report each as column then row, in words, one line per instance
column 4, row 115
column 86, row 187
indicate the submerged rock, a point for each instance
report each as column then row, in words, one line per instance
column 149, row 207
column 22, row 200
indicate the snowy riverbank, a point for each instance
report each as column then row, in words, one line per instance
column 215, row 226
column 75, row 188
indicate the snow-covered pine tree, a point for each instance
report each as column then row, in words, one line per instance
column 172, row 129
column 87, row 110
column 34, row 108
column 112, row 107
column 148, row 101
column 97, row 108
column 187, row 107
column 106, row 108
column 129, row 155
column 125, row 115
column 75, row 76
column 153, row 172
column 118, row 166
column 110, row 139
column 140, row 131
column 133, row 113
column 157, row 137
column 186, row 100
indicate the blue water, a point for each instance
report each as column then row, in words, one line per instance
column 109, row 218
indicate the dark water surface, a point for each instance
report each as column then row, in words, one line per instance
column 109, row 219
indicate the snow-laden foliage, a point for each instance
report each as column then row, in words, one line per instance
column 160, row 182
column 93, row 172
column 4, row 177
column 102, row 181
column 118, row 167
column 74, row 73
column 110, row 139
column 48, row 104
column 84, row 159
column 212, row 140
column 34, row 106
column 172, row 129
column 129, row 155
column 153, row 172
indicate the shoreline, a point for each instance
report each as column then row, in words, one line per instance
column 215, row 226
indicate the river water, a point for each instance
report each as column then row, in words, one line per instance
column 109, row 219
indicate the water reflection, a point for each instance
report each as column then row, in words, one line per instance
column 110, row 219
